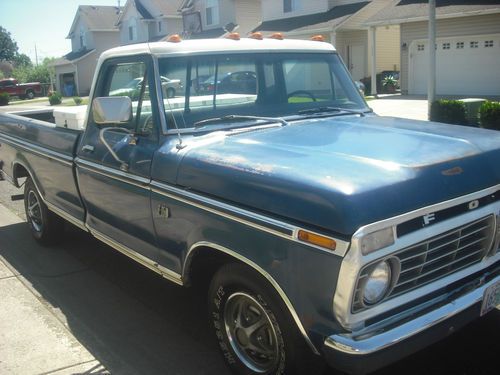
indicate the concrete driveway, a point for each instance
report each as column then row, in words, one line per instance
column 400, row 106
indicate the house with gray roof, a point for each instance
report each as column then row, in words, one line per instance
column 467, row 45
column 149, row 20
column 93, row 31
column 340, row 22
column 212, row 18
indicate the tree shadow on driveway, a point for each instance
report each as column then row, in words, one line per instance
column 130, row 319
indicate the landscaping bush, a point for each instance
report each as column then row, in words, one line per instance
column 55, row 98
column 449, row 111
column 489, row 115
column 77, row 100
column 4, row 98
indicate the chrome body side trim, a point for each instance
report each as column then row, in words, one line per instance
column 354, row 260
column 80, row 224
column 260, row 270
column 164, row 272
column 116, row 174
column 242, row 216
column 38, row 150
column 356, row 345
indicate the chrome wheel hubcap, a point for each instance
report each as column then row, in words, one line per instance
column 251, row 332
column 34, row 211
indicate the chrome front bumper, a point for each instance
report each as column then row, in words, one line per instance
column 362, row 352
column 359, row 345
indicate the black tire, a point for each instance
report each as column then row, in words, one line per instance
column 170, row 92
column 30, row 94
column 46, row 227
column 240, row 300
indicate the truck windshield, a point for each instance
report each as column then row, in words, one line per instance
column 264, row 85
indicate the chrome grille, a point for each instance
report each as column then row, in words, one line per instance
column 436, row 258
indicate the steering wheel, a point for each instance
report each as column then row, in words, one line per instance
column 303, row 92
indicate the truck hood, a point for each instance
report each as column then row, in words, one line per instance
column 340, row 173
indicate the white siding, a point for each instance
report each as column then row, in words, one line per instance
column 461, row 26
column 247, row 15
column 273, row 9
column 352, row 38
column 388, row 48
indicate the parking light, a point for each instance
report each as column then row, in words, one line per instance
column 317, row 239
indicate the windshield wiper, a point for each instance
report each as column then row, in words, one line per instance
column 232, row 118
column 320, row 110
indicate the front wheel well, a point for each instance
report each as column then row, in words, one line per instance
column 203, row 264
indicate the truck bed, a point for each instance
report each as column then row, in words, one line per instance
column 30, row 142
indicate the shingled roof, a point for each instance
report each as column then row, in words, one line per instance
column 416, row 10
column 338, row 13
column 97, row 17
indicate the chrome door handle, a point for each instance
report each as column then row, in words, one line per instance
column 88, row 148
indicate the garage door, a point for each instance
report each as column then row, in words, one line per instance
column 464, row 66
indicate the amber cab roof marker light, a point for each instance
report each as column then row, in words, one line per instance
column 318, row 38
column 174, row 38
column 233, row 36
column 278, row 36
column 257, row 35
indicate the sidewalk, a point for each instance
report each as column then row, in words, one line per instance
column 34, row 339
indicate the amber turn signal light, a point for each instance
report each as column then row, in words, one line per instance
column 317, row 239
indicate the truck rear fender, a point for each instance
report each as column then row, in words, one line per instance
column 221, row 255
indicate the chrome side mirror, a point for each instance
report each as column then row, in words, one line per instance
column 112, row 110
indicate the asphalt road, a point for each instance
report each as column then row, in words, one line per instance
column 134, row 322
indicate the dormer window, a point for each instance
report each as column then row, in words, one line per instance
column 83, row 42
column 132, row 29
column 212, row 12
column 290, row 5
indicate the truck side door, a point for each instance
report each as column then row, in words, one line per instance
column 113, row 162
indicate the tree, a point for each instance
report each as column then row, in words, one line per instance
column 22, row 60
column 8, row 47
column 40, row 73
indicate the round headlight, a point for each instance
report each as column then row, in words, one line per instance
column 378, row 283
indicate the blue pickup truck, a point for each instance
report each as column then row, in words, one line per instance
column 320, row 230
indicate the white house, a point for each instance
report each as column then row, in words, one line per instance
column 341, row 22
column 211, row 18
column 93, row 31
column 467, row 45
column 149, row 20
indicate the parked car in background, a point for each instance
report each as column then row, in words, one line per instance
column 244, row 82
column 22, row 90
column 131, row 89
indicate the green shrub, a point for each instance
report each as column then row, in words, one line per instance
column 77, row 100
column 55, row 98
column 489, row 115
column 449, row 111
column 4, row 98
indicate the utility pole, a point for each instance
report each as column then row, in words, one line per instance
column 36, row 56
column 431, row 82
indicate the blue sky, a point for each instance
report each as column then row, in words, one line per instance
column 45, row 23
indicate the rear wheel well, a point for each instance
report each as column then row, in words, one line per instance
column 19, row 172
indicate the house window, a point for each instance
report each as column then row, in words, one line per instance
column 446, row 45
column 132, row 29
column 460, row 45
column 488, row 43
column 159, row 26
column 474, row 44
column 420, row 47
column 83, row 43
column 290, row 5
column 212, row 12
